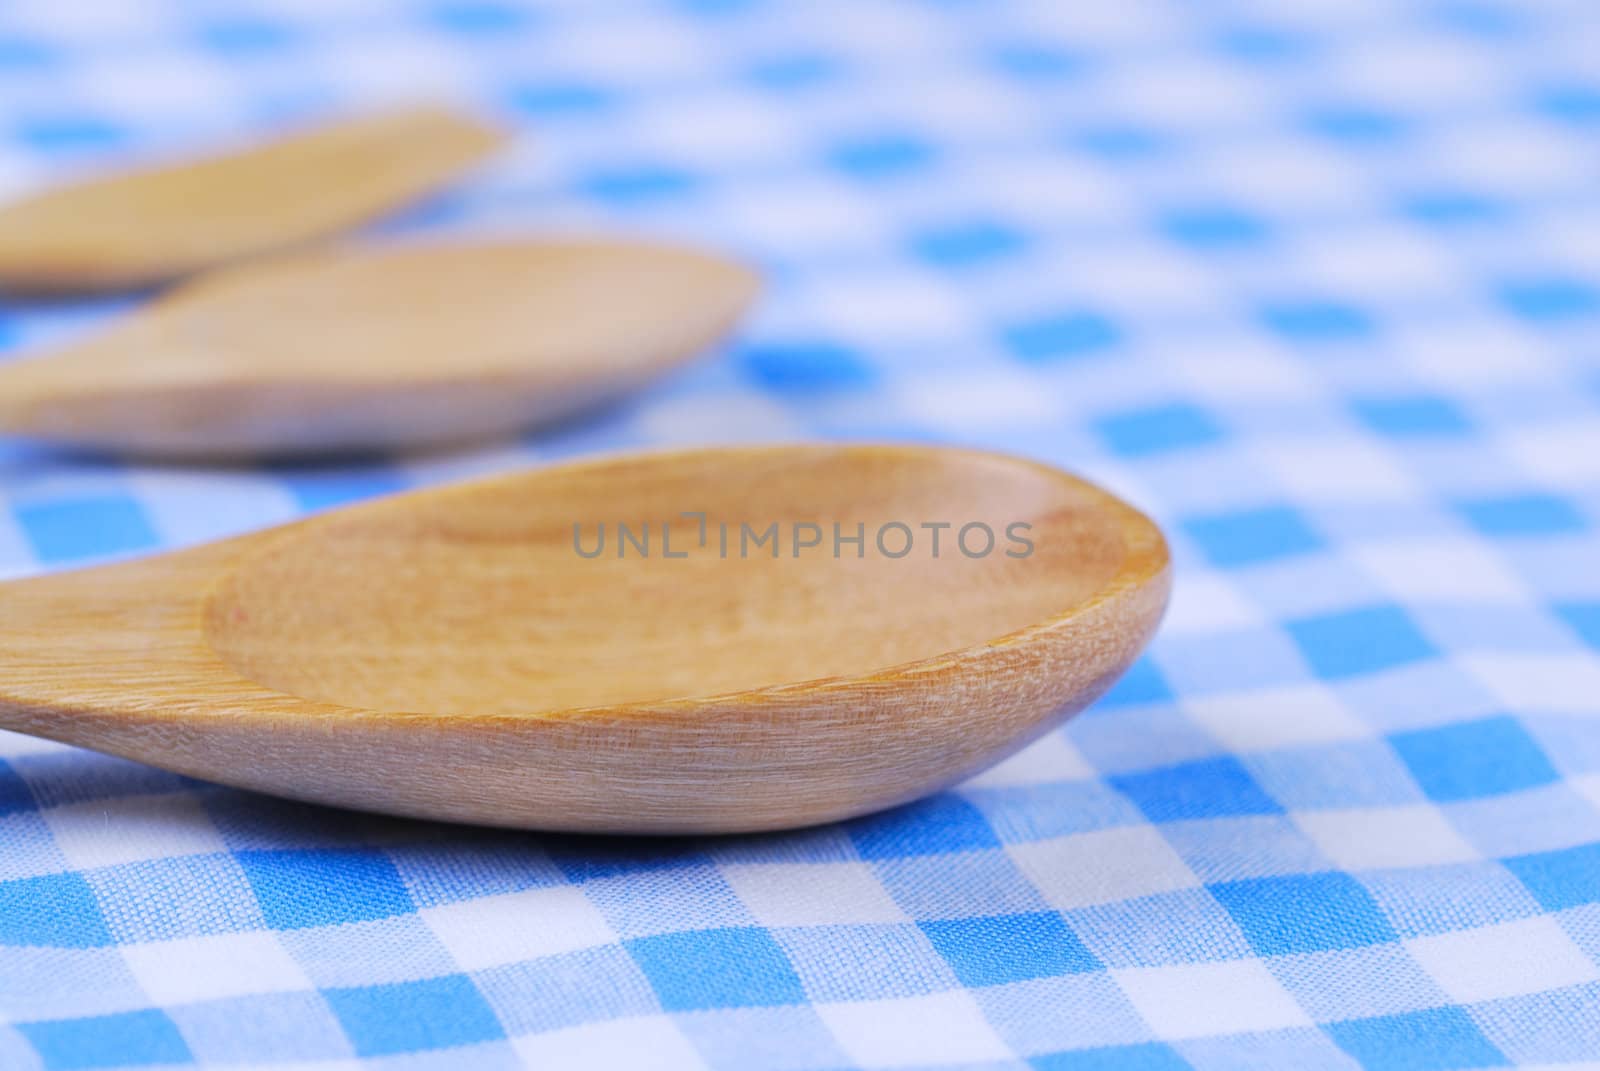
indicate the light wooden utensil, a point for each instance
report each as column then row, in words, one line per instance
column 388, row 346
column 451, row 654
column 151, row 225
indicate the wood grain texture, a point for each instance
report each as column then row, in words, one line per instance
column 447, row 654
column 147, row 226
column 379, row 347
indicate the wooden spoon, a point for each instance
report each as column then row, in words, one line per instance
column 382, row 347
column 451, row 654
column 148, row 226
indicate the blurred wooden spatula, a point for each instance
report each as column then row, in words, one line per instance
column 354, row 349
column 148, row 226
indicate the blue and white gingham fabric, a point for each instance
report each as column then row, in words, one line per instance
column 1317, row 283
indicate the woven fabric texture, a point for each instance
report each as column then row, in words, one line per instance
column 1316, row 283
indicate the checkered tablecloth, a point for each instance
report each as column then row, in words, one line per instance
column 1316, row 283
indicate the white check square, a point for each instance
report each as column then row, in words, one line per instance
column 804, row 215
column 1206, row 602
column 1268, row 718
column 981, row 402
column 890, row 307
column 1508, row 960
column 1348, row 470
column 1470, row 352
column 1371, row 838
column 1240, row 369
column 1103, row 866
column 513, row 927
column 1050, row 759
column 646, row 1043
column 1207, row 999
column 133, row 829
column 1458, row 571
column 812, row 894
column 1544, row 683
column 1561, row 453
column 213, row 967
column 1588, row 786
column 943, row 1028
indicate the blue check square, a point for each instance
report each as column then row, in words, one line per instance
column 1317, row 320
column 15, row 795
column 1436, row 1039
column 1159, row 429
column 1571, row 102
column 1214, row 227
column 1142, row 683
column 938, row 824
column 324, row 489
column 58, row 910
column 1356, row 125
column 732, row 967
column 240, row 36
column 1122, row 143
column 434, row 1013
column 1584, row 619
column 478, row 17
column 1304, row 913
column 1478, row 758
column 1452, row 207
column 127, row 1039
column 1353, row 642
column 24, row 52
column 1061, row 336
column 1551, row 299
column 71, row 133
column 807, row 368
column 1252, row 536
column 1414, row 415
column 1039, row 60
column 326, row 887
column 562, row 98
column 1262, row 43
column 968, row 243
column 1209, row 788
column 74, row 528
column 1523, row 515
column 640, row 183
column 582, row 859
column 884, row 156
column 1561, row 879
column 791, row 71
column 1150, row 1056
column 1009, row 948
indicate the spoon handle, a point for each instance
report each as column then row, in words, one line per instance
column 88, row 657
column 61, row 650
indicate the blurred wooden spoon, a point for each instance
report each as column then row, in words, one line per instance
column 379, row 347
column 452, row 654
column 148, row 226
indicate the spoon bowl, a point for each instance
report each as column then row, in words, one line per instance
column 724, row 656
column 384, row 347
